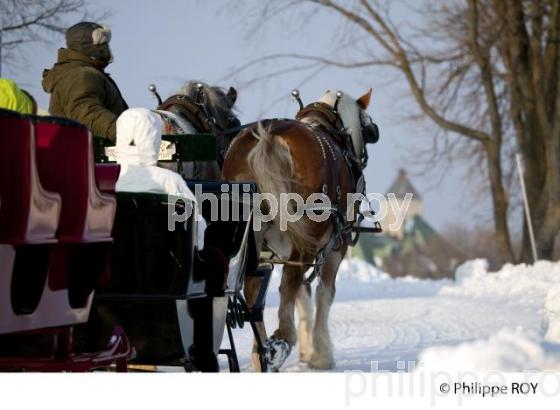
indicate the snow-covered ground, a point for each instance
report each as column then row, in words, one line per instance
column 482, row 321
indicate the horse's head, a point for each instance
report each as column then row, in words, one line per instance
column 208, row 109
column 356, row 121
column 218, row 103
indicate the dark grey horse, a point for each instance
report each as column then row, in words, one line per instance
column 198, row 108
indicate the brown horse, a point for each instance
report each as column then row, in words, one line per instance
column 304, row 157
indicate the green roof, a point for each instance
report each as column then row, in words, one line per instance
column 369, row 246
column 417, row 233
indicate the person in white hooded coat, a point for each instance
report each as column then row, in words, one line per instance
column 139, row 133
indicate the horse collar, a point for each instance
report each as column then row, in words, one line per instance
column 190, row 109
column 326, row 112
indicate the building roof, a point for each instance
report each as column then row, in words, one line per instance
column 419, row 233
column 402, row 185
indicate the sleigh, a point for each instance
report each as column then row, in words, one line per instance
column 91, row 279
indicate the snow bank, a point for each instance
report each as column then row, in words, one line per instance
column 360, row 280
column 551, row 318
column 520, row 284
column 535, row 285
column 359, row 270
column 471, row 270
column 508, row 350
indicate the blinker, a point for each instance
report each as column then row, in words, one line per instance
column 370, row 133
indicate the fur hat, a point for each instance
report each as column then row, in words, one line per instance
column 91, row 39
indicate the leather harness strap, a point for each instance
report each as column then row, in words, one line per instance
column 328, row 152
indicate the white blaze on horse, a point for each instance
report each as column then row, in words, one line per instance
column 322, row 152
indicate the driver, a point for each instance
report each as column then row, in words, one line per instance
column 79, row 86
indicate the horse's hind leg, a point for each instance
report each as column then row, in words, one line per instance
column 322, row 357
column 285, row 337
column 305, row 325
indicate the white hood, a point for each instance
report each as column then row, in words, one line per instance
column 138, row 141
column 138, row 137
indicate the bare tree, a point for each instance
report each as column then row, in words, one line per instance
column 486, row 72
column 26, row 21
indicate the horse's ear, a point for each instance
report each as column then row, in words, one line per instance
column 363, row 101
column 232, row 96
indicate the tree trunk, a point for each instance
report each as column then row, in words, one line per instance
column 499, row 203
column 549, row 226
column 533, row 175
column 545, row 211
column 544, row 242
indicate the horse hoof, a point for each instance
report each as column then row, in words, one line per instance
column 321, row 362
column 277, row 351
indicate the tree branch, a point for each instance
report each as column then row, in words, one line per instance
column 483, row 61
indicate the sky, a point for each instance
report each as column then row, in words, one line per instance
column 168, row 43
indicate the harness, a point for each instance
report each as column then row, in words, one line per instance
column 327, row 125
column 327, row 120
column 328, row 129
column 328, row 112
column 194, row 112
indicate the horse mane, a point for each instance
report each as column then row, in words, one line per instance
column 349, row 112
column 216, row 98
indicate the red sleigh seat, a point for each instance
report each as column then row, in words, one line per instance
column 47, row 280
column 107, row 176
column 66, row 164
column 28, row 213
column 65, row 267
column 29, row 217
column 80, row 260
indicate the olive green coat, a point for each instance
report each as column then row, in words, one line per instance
column 82, row 91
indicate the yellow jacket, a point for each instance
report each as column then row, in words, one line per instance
column 12, row 98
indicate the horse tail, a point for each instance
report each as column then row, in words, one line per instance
column 272, row 166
